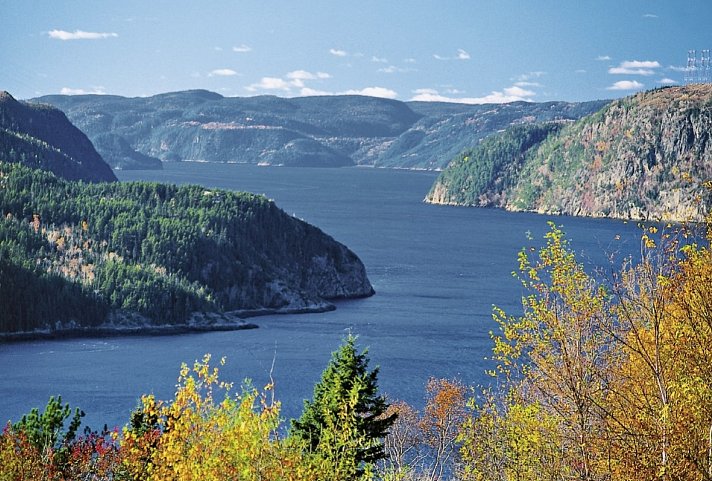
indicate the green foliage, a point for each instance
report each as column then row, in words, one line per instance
column 161, row 251
column 479, row 176
column 45, row 431
column 344, row 421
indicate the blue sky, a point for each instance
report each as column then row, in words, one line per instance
column 467, row 50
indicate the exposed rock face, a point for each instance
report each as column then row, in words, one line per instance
column 642, row 157
column 40, row 136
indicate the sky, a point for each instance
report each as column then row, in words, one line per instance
column 471, row 51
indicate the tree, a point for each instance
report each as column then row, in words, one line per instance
column 344, row 423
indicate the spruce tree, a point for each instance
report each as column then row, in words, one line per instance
column 344, row 423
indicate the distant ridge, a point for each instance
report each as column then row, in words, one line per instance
column 41, row 136
column 319, row 131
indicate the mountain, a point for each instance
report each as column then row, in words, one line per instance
column 84, row 255
column 326, row 131
column 647, row 156
column 40, row 136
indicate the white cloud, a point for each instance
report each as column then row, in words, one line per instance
column 580, row 71
column 630, row 71
column 603, row 58
column 635, row 67
column 527, row 84
column 270, row 83
column 218, row 49
column 304, row 75
column 650, row 15
column 667, row 81
column 309, row 92
column 409, row 60
column 379, row 59
column 461, row 55
column 509, row 94
column 394, row 69
column 527, row 77
column 93, row 91
column 79, row 35
column 675, row 68
column 222, row 72
column 374, row 92
column 242, row 48
column 640, row 64
column 626, row 85
column 338, row 53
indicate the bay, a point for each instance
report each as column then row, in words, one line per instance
column 437, row 272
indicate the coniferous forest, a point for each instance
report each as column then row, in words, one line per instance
column 72, row 252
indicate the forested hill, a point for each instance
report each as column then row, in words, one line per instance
column 326, row 131
column 40, row 136
column 83, row 254
column 647, row 156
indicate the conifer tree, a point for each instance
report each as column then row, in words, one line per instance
column 344, row 423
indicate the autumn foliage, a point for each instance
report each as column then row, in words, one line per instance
column 600, row 378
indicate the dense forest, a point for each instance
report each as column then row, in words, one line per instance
column 479, row 176
column 600, row 378
column 160, row 251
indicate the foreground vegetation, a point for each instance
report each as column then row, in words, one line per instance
column 599, row 379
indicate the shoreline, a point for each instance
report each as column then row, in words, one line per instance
column 109, row 330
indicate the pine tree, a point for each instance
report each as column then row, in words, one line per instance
column 344, row 423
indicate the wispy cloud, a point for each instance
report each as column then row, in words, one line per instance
column 635, row 67
column 529, row 76
column 603, row 58
column 374, row 92
column 409, row 60
column 294, row 79
column 461, row 55
column 626, row 85
column 395, row 69
column 242, row 48
column 676, row 68
column 667, row 81
column 80, row 35
column 379, row 59
column 527, row 84
column 509, row 94
column 222, row 72
column 297, row 77
column 650, row 15
column 92, row 91
column 337, row 52
column 580, row 71
column 270, row 83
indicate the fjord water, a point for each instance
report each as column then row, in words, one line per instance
column 436, row 270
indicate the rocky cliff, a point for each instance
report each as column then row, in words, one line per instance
column 40, row 136
column 647, row 156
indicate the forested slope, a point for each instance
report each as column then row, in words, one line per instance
column 647, row 156
column 157, row 253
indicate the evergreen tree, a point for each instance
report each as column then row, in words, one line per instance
column 344, row 423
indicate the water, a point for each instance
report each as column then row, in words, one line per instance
column 437, row 272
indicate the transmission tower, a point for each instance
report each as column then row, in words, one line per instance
column 691, row 69
column 704, row 72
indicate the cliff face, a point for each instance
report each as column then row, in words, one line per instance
column 642, row 157
column 40, row 136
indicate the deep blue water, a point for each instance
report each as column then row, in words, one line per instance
column 437, row 272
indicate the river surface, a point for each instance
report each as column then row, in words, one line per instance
column 437, row 272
